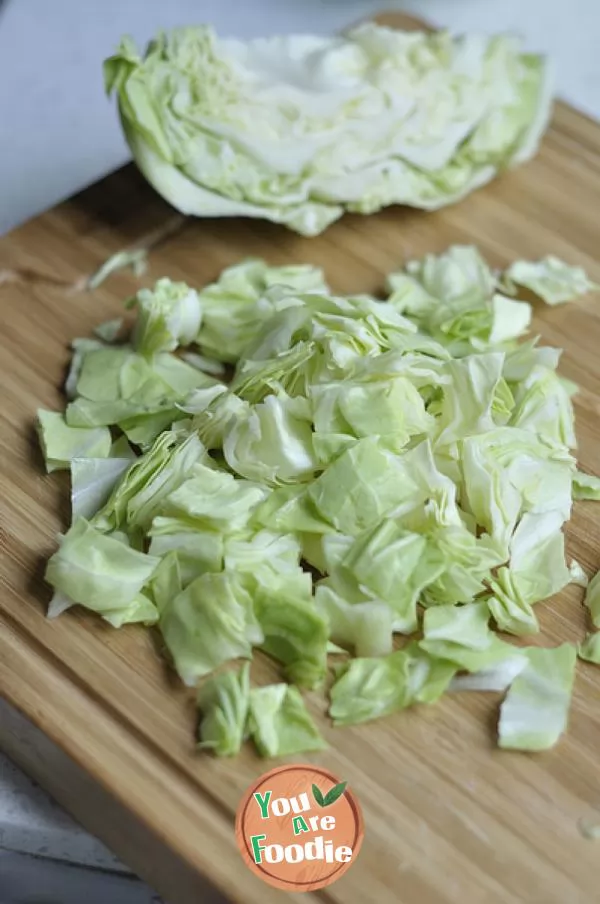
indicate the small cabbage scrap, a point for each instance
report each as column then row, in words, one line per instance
column 279, row 722
column 369, row 688
column 168, row 316
column 102, row 572
column 590, row 648
column 551, row 279
column 265, row 128
column 209, row 623
column 586, row 486
column 592, row 599
column 224, row 701
column 534, row 713
column 62, row 443
column 137, row 259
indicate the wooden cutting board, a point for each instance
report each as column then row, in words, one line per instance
column 449, row 818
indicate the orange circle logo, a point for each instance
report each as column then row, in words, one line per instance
column 299, row 828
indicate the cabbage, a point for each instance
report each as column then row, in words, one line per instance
column 224, row 701
column 453, row 297
column 586, row 486
column 101, row 572
column 592, row 599
column 364, row 627
column 279, row 722
column 92, row 480
column 168, row 316
column 369, row 688
column 109, row 330
column 136, row 259
column 207, row 624
column 534, row 714
column 272, row 444
column 537, row 570
column 590, row 648
column 551, row 279
column 236, row 307
column 460, row 635
column 295, row 632
column 265, row 128
column 62, row 443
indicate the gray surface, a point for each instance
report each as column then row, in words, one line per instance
column 27, row 880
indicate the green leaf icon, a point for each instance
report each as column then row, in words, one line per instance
column 334, row 793
column 318, row 796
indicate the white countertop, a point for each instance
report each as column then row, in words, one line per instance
column 60, row 133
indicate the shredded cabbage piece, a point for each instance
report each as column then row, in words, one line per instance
column 534, row 714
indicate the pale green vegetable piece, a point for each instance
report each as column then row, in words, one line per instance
column 80, row 349
column 141, row 609
column 466, row 408
column 235, row 308
column 457, row 272
column 98, row 571
column 359, row 488
column 205, row 364
column 496, row 677
column 366, row 627
column 61, row 443
column 509, row 471
column 578, row 575
column 590, row 648
column 272, row 444
column 543, row 406
column 151, row 480
column 461, row 635
column 370, row 688
column 537, row 570
column 452, row 296
column 592, row 599
column 168, row 315
column 208, row 119
column 59, row 603
column 136, row 259
column 551, row 279
column 214, row 499
column 465, row 625
column 92, row 481
column 208, row 623
column 534, row 714
column 586, row 486
column 166, row 582
column 280, row 724
column 109, row 330
column 391, row 409
column 248, row 550
column 295, row 632
column 290, row 508
column 393, row 565
column 224, row 702
column 198, row 548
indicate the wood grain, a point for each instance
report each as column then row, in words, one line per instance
column 449, row 819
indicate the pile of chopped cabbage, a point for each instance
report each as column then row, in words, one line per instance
column 265, row 128
column 373, row 472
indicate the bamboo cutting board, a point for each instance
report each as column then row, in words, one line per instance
column 449, row 818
